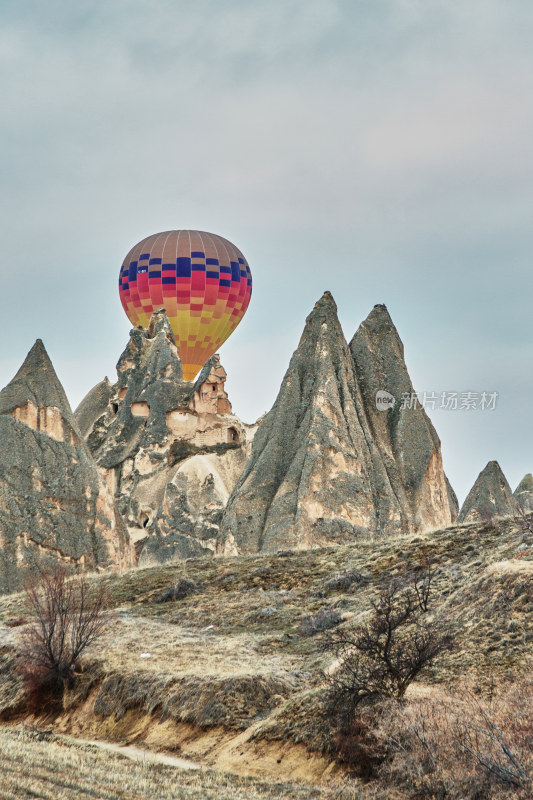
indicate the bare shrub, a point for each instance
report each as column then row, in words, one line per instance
column 183, row 588
column 16, row 622
column 40, row 689
column 66, row 618
column 382, row 657
column 344, row 582
column 462, row 745
column 323, row 620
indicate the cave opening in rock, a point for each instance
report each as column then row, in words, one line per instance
column 233, row 435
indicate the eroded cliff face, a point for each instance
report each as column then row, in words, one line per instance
column 187, row 523
column 54, row 505
column 169, row 450
column 326, row 465
column 490, row 498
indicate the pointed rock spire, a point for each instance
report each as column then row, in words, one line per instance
column 159, row 323
column 36, row 382
column 150, row 385
column 490, row 498
column 523, row 494
column 209, row 391
column 452, row 500
column 308, row 481
column 405, row 437
column 36, row 397
column 146, row 429
column 54, row 506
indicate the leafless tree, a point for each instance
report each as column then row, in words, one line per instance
column 380, row 658
column 67, row 617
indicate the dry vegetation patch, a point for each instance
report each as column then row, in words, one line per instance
column 492, row 618
column 206, row 701
column 33, row 764
column 470, row 744
column 236, row 651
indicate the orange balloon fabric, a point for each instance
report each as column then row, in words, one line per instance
column 202, row 280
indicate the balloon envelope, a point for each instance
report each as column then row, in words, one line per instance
column 202, row 281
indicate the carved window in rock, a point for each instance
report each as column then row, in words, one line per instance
column 233, row 435
column 140, row 409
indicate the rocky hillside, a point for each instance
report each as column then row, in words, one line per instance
column 221, row 660
column 54, row 505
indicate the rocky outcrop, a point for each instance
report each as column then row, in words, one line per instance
column 36, row 398
column 453, row 502
column 523, row 494
column 490, row 498
column 169, row 450
column 187, row 522
column 54, row 506
column 324, row 468
column 93, row 406
column 403, row 434
column 308, row 479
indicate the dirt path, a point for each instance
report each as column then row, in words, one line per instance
column 137, row 754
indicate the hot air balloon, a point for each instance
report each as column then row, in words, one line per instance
column 202, row 281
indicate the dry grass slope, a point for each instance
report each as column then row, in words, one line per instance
column 50, row 767
column 235, row 659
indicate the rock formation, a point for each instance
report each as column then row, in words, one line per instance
column 407, row 441
column 93, row 406
column 54, row 506
column 170, row 450
column 490, row 498
column 324, row 467
column 523, row 494
column 453, row 502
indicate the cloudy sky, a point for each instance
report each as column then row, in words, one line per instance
column 381, row 149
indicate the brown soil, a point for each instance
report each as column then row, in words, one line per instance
column 214, row 747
